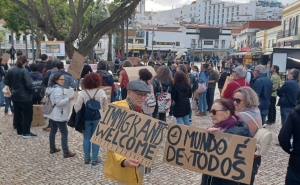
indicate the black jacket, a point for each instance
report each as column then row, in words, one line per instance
column 37, row 84
column 77, row 119
column 241, row 129
column 20, row 82
column 222, row 80
column 180, row 95
column 41, row 66
column 2, row 72
column 291, row 127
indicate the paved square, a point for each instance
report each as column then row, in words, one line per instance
column 28, row 161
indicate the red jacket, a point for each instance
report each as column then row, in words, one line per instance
column 234, row 85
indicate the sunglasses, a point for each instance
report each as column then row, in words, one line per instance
column 214, row 111
column 236, row 100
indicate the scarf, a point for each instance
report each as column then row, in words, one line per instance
column 224, row 125
column 133, row 107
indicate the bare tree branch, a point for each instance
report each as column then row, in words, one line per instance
column 48, row 16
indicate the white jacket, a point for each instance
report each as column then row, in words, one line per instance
column 61, row 104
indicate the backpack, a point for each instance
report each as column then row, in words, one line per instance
column 163, row 100
column 263, row 139
column 46, row 104
column 149, row 104
column 92, row 106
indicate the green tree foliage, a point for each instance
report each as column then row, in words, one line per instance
column 68, row 20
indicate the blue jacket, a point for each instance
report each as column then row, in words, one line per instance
column 288, row 94
column 203, row 77
column 262, row 85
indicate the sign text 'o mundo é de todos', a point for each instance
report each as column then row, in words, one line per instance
column 218, row 154
column 130, row 134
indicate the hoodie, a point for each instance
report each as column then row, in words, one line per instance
column 60, row 101
column 37, row 84
column 69, row 81
column 180, row 95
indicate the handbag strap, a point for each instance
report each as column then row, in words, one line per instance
column 251, row 118
column 94, row 94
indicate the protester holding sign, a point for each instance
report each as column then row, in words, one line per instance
column 181, row 93
column 123, row 79
column 224, row 119
column 246, row 105
column 59, row 115
column 118, row 167
column 91, row 84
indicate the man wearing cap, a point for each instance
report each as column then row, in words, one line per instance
column 117, row 167
column 239, row 80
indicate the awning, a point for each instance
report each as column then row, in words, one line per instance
column 268, row 53
column 135, row 47
column 246, row 48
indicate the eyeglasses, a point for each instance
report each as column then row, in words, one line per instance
column 238, row 101
column 214, row 111
column 140, row 94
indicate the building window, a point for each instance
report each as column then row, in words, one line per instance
column 272, row 41
column 24, row 37
column 237, row 8
column 139, row 41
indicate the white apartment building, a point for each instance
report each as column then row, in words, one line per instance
column 217, row 12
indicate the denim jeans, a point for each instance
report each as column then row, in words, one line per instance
column 210, row 95
column 8, row 104
column 292, row 177
column 1, row 93
column 284, row 112
column 264, row 114
column 23, row 112
column 183, row 120
column 90, row 127
column 202, row 102
column 64, row 135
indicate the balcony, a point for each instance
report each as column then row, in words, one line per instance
column 288, row 33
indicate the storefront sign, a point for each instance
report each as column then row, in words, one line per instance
column 165, row 43
column 208, row 43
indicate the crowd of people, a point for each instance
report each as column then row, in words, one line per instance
column 247, row 102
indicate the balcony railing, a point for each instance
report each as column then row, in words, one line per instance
column 288, row 33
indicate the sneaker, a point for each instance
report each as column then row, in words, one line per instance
column 264, row 125
column 20, row 135
column 70, row 154
column 96, row 162
column 173, row 119
column 270, row 122
column 29, row 135
column 87, row 161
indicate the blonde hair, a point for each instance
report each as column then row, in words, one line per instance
column 250, row 96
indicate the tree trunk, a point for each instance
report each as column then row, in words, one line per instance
column 12, row 37
column 122, row 40
column 109, row 51
column 26, row 45
column 38, row 38
column 70, row 49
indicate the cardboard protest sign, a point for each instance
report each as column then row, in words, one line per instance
column 76, row 65
column 107, row 90
column 37, row 117
column 221, row 155
column 130, row 134
column 133, row 72
column 6, row 56
column 134, row 60
column 228, row 80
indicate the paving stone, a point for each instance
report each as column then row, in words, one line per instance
column 28, row 161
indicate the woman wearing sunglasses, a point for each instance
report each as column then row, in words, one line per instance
column 246, row 103
column 224, row 119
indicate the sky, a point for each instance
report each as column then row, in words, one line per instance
column 159, row 5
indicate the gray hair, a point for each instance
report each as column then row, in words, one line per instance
column 250, row 96
column 295, row 73
column 261, row 69
column 240, row 71
column 101, row 65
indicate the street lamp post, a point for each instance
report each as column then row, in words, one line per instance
column 152, row 40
